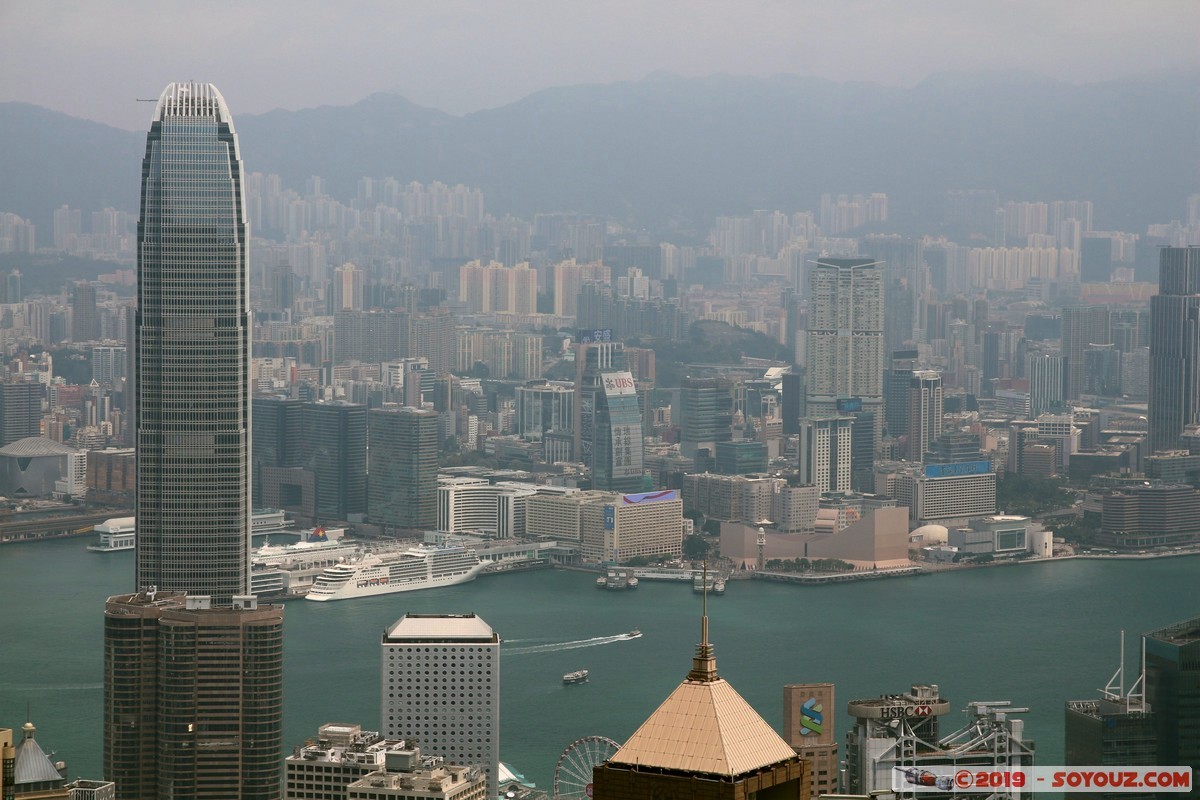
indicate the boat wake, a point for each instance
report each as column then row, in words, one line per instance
column 554, row 647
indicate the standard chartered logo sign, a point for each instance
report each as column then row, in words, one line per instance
column 811, row 718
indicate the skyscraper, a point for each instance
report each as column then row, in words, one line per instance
column 1175, row 347
column 826, row 453
column 1082, row 327
column 1173, row 689
column 193, row 352
column 845, row 347
column 456, row 715
column 925, row 409
column 402, row 464
column 192, row 665
column 608, row 426
column 1046, row 382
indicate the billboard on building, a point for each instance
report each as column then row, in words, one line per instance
column 808, row 714
column 618, row 384
column 649, row 497
column 957, row 470
column 587, row 336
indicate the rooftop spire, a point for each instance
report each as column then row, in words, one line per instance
column 704, row 663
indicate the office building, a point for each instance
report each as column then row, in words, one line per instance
column 402, row 463
column 456, row 717
column 85, row 323
column 1175, row 347
column 1150, row 515
column 741, row 457
column 905, row 730
column 408, row 774
column 704, row 743
column 1046, row 373
column 1102, row 371
column 192, row 664
column 544, row 408
column 608, row 427
column 826, row 453
column 809, row 713
column 340, row 754
column 1173, row 691
column 333, row 447
column 277, row 428
column 845, row 343
column 20, row 411
column 617, row 527
column 706, row 411
column 1082, row 328
column 1119, row 729
column 193, row 696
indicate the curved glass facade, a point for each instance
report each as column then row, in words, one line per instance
column 193, row 352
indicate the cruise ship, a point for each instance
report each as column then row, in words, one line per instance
column 418, row 567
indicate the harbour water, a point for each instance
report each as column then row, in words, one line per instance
column 1035, row 634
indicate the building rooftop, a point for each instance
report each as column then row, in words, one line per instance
column 440, row 627
column 1179, row 633
column 35, row 446
column 31, row 764
column 704, row 726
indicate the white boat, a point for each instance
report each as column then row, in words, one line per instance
column 719, row 586
column 118, row 533
column 418, row 567
column 578, row 676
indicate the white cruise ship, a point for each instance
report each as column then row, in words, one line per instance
column 418, row 567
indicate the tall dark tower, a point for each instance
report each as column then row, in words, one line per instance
column 1175, row 347
column 192, row 664
column 193, row 352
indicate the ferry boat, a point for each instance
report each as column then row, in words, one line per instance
column 718, row 586
column 578, row 676
column 118, row 533
column 700, row 584
column 418, row 567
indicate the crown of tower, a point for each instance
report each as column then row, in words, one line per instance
column 704, row 726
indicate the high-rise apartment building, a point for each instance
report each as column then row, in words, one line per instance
column 845, row 343
column 402, row 463
column 347, row 289
column 455, row 715
column 826, row 453
column 1046, row 372
column 1175, row 347
column 193, row 665
column 925, row 409
column 1082, row 327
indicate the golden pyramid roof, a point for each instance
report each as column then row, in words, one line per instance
column 704, row 726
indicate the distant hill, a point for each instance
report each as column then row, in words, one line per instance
column 668, row 148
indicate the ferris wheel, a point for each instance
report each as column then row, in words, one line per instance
column 573, row 772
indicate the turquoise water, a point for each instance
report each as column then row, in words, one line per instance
column 1035, row 634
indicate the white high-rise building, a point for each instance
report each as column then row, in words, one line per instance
column 825, row 453
column 440, row 686
column 845, row 352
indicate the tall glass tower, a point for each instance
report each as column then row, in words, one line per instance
column 193, row 666
column 1174, row 347
column 193, row 352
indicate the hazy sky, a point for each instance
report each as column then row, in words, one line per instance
column 93, row 58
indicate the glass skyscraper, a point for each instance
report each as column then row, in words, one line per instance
column 1175, row 347
column 193, row 666
column 193, row 352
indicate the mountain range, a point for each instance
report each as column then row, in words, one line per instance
column 670, row 152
